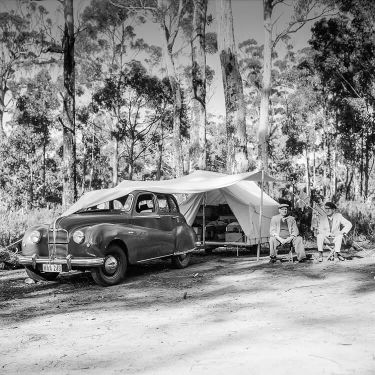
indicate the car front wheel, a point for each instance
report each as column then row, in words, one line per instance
column 37, row 275
column 114, row 268
column 181, row 261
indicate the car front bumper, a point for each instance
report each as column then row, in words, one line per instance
column 69, row 261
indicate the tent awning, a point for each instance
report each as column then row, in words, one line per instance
column 197, row 182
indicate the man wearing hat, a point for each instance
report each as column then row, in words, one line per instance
column 283, row 229
column 331, row 228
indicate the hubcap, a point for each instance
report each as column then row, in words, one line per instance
column 110, row 264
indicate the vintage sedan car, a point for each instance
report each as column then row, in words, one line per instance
column 105, row 239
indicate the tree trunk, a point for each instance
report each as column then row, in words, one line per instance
column 160, row 154
column 44, row 170
column 324, row 166
column 334, row 168
column 366, row 167
column 197, row 150
column 131, row 161
column 2, row 108
column 115, row 162
column 233, row 90
column 314, row 169
column 361, row 166
column 168, row 42
column 263, row 129
column 348, row 183
column 307, row 171
column 84, row 165
column 92, row 167
column 69, row 145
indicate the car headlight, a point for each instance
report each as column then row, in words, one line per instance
column 78, row 236
column 35, row 236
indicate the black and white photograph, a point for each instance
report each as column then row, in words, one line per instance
column 187, row 187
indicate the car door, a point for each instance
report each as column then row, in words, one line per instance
column 149, row 238
column 167, row 225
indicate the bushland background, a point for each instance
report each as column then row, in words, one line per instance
column 95, row 92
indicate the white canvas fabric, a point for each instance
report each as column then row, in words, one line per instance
column 244, row 199
column 239, row 191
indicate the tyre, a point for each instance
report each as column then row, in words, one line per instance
column 114, row 268
column 37, row 275
column 181, row 261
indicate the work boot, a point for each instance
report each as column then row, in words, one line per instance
column 273, row 259
column 340, row 257
column 320, row 256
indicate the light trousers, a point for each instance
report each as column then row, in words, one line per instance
column 297, row 244
column 321, row 238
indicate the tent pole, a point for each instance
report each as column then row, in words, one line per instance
column 260, row 215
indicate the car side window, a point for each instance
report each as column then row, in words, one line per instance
column 172, row 205
column 128, row 202
column 117, row 205
column 162, row 203
column 102, row 206
column 145, row 203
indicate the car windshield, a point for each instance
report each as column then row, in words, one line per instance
column 121, row 204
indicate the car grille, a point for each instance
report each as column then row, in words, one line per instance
column 58, row 250
column 58, row 242
column 58, row 236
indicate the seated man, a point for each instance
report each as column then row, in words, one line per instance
column 331, row 228
column 283, row 229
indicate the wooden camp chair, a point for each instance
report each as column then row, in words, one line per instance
column 289, row 248
column 329, row 245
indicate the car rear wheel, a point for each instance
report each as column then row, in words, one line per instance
column 181, row 261
column 37, row 275
column 114, row 268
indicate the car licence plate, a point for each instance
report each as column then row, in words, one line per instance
column 52, row 267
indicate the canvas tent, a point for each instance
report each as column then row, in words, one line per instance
column 239, row 191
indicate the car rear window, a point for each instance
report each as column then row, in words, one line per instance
column 172, row 204
column 163, row 203
column 145, row 203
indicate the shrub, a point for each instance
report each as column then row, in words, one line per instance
column 13, row 224
column 362, row 216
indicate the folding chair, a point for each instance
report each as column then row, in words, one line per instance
column 287, row 247
column 331, row 247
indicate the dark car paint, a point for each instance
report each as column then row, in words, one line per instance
column 142, row 235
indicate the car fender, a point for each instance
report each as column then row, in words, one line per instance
column 102, row 235
column 185, row 238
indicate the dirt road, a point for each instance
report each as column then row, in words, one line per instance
column 222, row 315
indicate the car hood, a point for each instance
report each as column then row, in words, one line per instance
column 81, row 220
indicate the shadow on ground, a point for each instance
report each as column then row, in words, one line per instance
column 154, row 283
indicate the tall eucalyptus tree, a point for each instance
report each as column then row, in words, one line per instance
column 233, row 91
column 198, row 126
column 68, row 120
